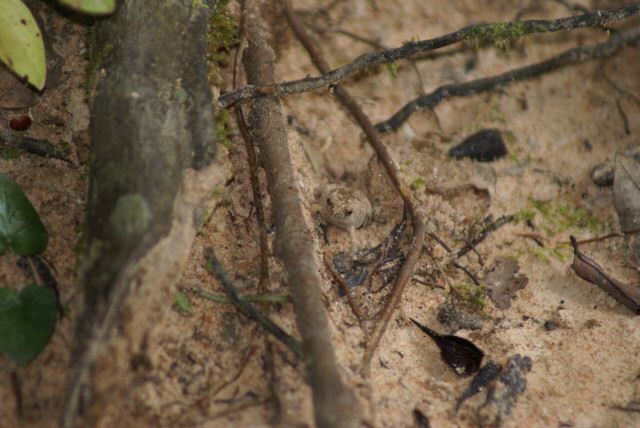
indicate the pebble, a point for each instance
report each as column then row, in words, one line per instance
column 484, row 146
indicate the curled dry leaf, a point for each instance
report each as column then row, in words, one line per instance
column 460, row 354
column 589, row 270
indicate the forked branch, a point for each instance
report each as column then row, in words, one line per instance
column 482, row 32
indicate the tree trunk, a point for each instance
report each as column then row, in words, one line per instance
column 152, row 146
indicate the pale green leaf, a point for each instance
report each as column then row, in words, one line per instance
column 183, row 303
column 21, row 46
column 91, row 7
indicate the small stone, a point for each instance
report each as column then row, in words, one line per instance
column 484, row 146
column 550, row 325
column 602, row 174
column 458, row 319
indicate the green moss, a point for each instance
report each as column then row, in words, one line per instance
column 222, row 196
column 11, row 153
column 560, row 252
column 560, row 216
column 418, row 183
column 540, row 253
column 472, row 296
column 524, row 215
column 501, row 34
column 393, row 68
column 498, row 31
column 223, row 128
column 223, row 37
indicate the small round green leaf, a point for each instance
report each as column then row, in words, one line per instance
column 91, row 7
column 27, row 321
column 21, row 229
column 21, row 46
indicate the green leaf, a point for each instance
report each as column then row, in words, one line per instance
column 27, row 321
column 91, row 7
column 183, row 303
column 21, row 46
column 21, row 229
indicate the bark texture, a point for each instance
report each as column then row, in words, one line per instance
column 334, row 404
column 152, row 146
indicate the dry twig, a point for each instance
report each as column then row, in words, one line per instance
column 390, row 167
column 253, row 167
column 473, row 87
column 215, row 267
column 482, row 32
column 334, row 404
column 10, row 139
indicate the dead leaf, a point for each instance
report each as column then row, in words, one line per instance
column 460, row 354
column 504, row 281
column 589, row 270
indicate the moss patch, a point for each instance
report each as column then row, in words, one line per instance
column 558, row 216
column 471, row 296
column 223, row 128
column 223, row 37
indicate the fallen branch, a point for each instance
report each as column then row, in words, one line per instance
column 250, row 298
column 482, row 32
column 488, row 228
column 334, row 404
column 10, row 139
column 253, row 167
column 390, row 167
column 215, row 268
column 473, row 87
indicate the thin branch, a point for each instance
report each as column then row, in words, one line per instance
column 251, row 298
column 253, row 167
column 334, row 404
column 481, row 32
column 215, row 268
column 501, row 221
column 379, row 46
column 345, row 289
column 392, row 170
column 10, row 139
column 473, row 87
column 242, row 366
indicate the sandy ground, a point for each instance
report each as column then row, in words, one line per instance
column 214, row 368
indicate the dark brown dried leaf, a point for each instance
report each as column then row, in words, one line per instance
column 589, row 270
column 460, row 354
